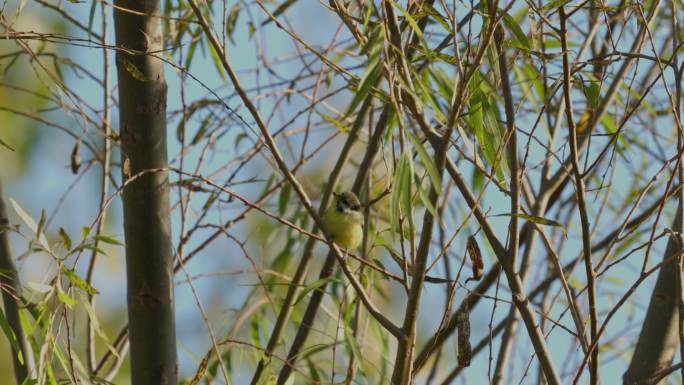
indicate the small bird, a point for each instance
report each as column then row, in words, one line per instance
column 344, row 220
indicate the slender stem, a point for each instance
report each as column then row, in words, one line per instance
column 582, row 205
column 106, row 129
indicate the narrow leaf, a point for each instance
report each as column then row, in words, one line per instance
column 78, row 281
column 108, row 239
column 430, row 166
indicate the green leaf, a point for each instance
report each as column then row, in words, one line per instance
column 382, row 242
column 443, row 82
column 217, row 63
column 335, row 122
column 232, row 20
column 480, row 122
column 11, row 337
column 406, row 190
column 41, row 222
column 4, row 144
column 493, row 60
column 352, row 344
column 491, row 138
column 520, row 36
column 65, row 238
column 431, row 11
column 202, row 130
column 313, row 371
column 133, row 70
column 370, row 77
column 429, row 164
column 191, row 50
column 91, row 247
column 427, row 95
column 552, row 5
column 96, row 326
column 425, row 198
column 85, row 232
column 91, row 18
column 609, row 124
column 30, row 222
column 593, row 92
column 78, row 281
column 614, row 280
column 280, row 10
column 315, row 285
column 412, row 22
column 64, row 298
column 311, row 350
column 537, row 220
column 254, row 331
column 575, row 283
column 39, row 287
column 108, row 239
column 284, row 199
column 398, row 184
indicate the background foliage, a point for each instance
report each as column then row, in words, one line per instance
column 544, row 134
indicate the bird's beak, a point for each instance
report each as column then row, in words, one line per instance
column 335, row 194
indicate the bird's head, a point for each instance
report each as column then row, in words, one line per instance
column 347, row 202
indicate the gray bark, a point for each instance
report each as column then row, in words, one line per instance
column 147, row 228
column 659, row 340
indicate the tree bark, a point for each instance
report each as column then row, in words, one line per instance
column 147, row 228
column 659, row 339
column 11, row 294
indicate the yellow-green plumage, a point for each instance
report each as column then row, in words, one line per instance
column 344, row 221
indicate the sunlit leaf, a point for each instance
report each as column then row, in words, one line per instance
column 217, row 62
column 335, row 122
column 85, row 231
column 108, row 239
column 66, row 299
column 28, row 220
column 65, row 238
column 78, row 281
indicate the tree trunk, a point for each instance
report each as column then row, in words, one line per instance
column 11, row 294
column 659, row 338
column 149, row 251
